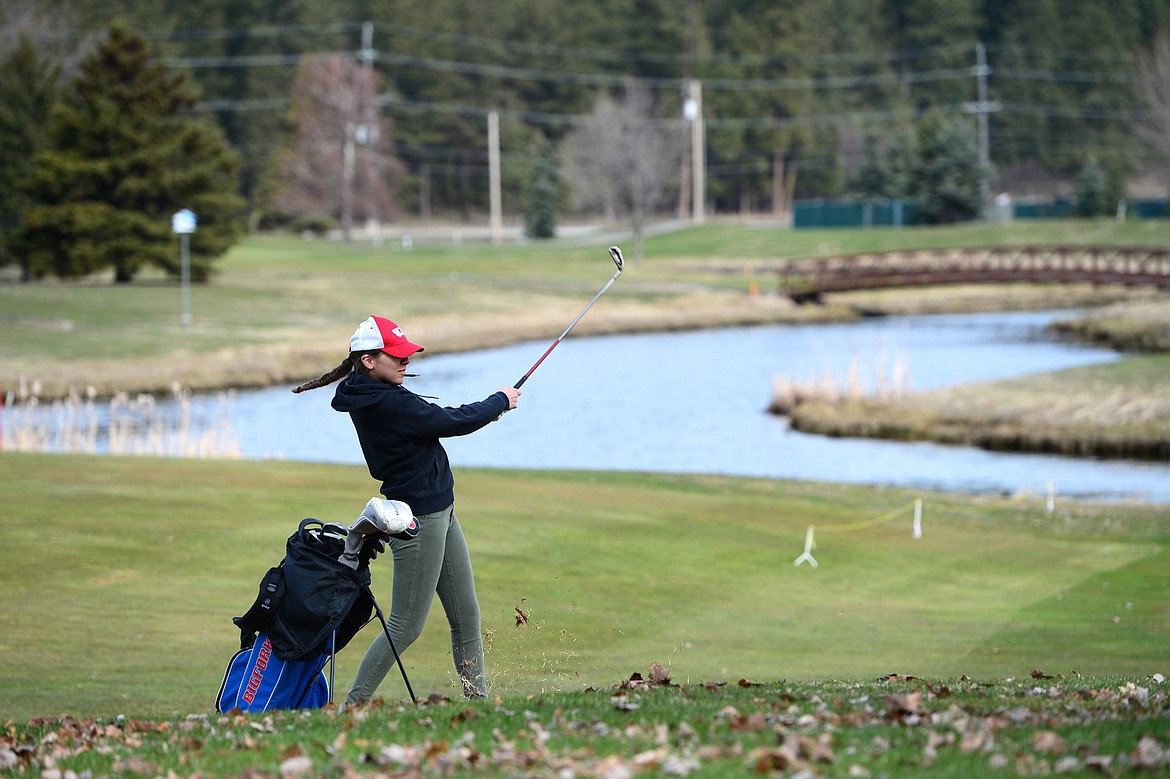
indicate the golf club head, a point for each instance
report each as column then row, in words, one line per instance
column 618, row 260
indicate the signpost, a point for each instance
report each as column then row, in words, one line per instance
column 183, row 223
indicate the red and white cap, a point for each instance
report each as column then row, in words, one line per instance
column 380, row 333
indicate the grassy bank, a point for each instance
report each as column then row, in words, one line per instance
column 1113, row 410
column 121, row 576
column 1130, row 327
column 280, row 309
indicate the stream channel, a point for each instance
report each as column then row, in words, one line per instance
column 695, row 402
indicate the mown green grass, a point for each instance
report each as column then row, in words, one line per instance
column 739, row 241
column 121, row 576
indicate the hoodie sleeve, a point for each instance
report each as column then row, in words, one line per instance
column 420, row 418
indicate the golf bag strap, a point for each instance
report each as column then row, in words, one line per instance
column 259, row 617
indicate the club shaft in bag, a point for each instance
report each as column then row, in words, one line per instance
column 397, row 659
column 616, row 255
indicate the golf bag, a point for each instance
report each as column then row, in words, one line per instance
column 309, row 607
column 256, row 680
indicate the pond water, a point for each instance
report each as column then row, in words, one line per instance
column 695, row 402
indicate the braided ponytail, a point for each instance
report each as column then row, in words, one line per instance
column 328, row 378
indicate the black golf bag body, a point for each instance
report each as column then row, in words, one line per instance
column 309, row 607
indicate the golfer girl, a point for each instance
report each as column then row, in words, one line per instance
column 400, row 436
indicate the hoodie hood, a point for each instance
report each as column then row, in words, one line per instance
column 357, row 391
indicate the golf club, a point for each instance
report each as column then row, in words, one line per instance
column 616, row 254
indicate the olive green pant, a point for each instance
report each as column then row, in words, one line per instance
column 436, row 561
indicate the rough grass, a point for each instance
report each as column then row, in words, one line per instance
column 121, row 576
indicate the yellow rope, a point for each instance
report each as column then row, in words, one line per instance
column 867, row 522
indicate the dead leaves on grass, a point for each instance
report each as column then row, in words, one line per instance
column 1023, row 727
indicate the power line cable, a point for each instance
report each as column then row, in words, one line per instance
column 391, row 104
column 267, row 31
column 1056, row 54
column 1032, row 74
column 253, row 60
column 568, row 52
column 1069, row 112
column 667, row 58
column 580, row 79
column 599, row 54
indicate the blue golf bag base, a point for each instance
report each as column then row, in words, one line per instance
column 257, row 680
column 309, row 607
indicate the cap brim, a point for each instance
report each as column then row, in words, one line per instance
column 402, row 349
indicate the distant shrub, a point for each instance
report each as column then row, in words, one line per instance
column 317, row 224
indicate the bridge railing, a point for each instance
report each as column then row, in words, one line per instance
column 808, row 278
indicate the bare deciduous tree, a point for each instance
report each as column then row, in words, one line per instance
column 1152, row 90
column 337, row 163
column 50, row 25
column 622, row 161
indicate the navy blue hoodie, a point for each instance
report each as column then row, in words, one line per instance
column 399, row 433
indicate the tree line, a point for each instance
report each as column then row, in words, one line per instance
column 935, row 99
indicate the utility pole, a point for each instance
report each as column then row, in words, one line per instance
column 497, row 218
column 373, row 171
column 693, row 111
column 348, row 156
column 981, row 108
column 367, row 52
column 691, row 43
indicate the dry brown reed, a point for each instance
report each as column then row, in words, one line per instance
column 891, row 379
column 123, row 425
column 1052, row 413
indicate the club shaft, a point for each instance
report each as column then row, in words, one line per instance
column 572, row 324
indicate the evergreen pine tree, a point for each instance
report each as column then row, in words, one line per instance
column 932, row 35
column 28, row 91
column 125, row 153
column 541, row 194
column 872, row 177
column 949, row 180
column 1090, row 190
column 888, row 168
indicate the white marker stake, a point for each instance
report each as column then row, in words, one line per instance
column 808, row 547
column 917, row 519
column 1051, row 498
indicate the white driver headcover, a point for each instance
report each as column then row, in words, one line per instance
column 386, row 516
column 379, row 518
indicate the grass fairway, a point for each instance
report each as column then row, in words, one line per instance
column 120, row 577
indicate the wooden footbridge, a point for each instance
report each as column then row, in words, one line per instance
column 807, row 279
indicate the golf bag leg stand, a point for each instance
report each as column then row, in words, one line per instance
column 332, row 661
column 397, row 659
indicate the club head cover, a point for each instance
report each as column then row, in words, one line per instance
column 379, row 520
column 389, row 517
